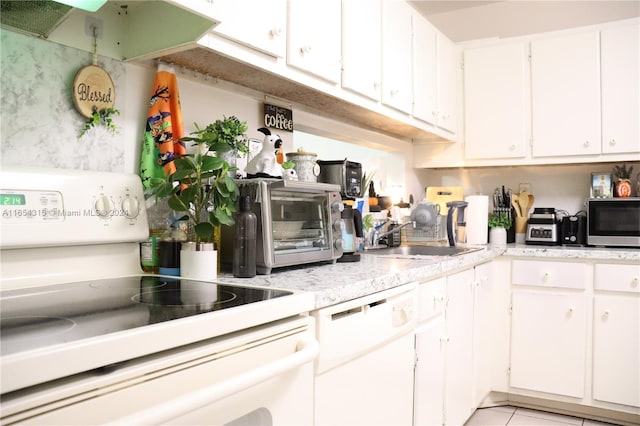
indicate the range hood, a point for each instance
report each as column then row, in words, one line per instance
column 35, row 17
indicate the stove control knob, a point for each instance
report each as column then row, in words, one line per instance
column 338, row 225
column 130, row 207
column 337, row 207
column 103, row 206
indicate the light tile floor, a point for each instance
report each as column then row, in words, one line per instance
column 512, row 416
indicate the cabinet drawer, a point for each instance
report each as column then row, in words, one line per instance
column 432, row 299
column 617, row 277
column 550, row 274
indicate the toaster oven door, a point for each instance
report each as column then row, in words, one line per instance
column 300, row 227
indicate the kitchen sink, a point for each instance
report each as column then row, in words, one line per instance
column 423, row 251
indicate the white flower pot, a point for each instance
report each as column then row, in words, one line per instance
column 198, row 261
column 498, row 237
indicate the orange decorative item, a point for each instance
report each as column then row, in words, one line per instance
column 623, row 188
column 279, row 156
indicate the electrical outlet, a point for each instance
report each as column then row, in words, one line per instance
column 91, row 23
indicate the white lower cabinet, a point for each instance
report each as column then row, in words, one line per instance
column 549, row 327
column 483, row 328
column 616, row 334
column 429, row 374
column 548, row 342
column 443, row 391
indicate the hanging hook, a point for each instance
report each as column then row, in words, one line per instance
column 95, row 44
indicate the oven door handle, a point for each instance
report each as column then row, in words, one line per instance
column 306, row 350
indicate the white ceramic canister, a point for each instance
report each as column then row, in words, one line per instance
column 305, row 165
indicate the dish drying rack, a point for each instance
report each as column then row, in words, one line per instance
column 432, row 233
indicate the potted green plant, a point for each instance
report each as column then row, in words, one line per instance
column 498, row 225
column 623, row 184
column 201, row 188
column 226, row 137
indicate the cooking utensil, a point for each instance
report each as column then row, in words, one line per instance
column 523, row 200
column 516, row 204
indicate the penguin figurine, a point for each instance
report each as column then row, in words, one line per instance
column 264, row 164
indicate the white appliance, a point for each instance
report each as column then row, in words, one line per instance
column 87, row 338
column 364, row 372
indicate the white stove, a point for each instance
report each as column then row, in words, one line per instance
column 77, row 313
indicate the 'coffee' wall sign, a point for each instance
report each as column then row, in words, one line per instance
column 93, row 88
column 278, row 118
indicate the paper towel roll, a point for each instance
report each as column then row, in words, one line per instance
column 476, row 216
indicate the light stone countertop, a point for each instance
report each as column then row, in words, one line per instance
column 339, row 282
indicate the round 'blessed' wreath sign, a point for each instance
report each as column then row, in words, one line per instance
column 93, row 90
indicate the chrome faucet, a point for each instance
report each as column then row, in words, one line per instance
column 377, row 235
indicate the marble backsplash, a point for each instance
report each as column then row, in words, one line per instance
column 39, row 123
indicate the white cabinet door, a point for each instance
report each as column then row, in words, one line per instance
column 496, row 101
column 263, row 29
column 314, row 33
column 459, row 337
column 361, row 47
column 483, row 344
column 429, row 374
column 620, row 50
column 616, row 349
column 447, row 88
column 425, row 66
column 548, row 342
column 396, row 55
column 565, row 84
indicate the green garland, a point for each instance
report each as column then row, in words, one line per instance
column 101, row 117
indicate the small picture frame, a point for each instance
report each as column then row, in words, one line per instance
column 601, row 185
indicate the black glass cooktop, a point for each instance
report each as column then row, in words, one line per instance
column 42, row 316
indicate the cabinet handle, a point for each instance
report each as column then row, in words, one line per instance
column 444, row 339
column 605, row 315
column 376, row 85
column 305, row 50
column 434, row 113
column 393, row 93
column 275, row 32
column 512, row 147
column 634, row 281
column 545, row 277
column 612, row 142
column 571, row 310
column 444, row 117
column 438, row 299
column 587, row 144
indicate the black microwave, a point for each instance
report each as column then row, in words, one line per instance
column 613, row 222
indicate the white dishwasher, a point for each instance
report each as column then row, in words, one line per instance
column 364, row 372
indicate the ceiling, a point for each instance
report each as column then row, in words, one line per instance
column 472, row 20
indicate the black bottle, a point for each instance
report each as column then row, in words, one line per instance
column 244, row 241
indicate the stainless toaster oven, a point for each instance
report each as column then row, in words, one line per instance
column 298, row 222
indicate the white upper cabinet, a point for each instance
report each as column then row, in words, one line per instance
column 447, row 76
column 314, row 37
column 397, row 55
column 565, row 83
column 496, row 101
column 361, row 47
column 425, row 71
column 264, row 29
column 620, row 49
